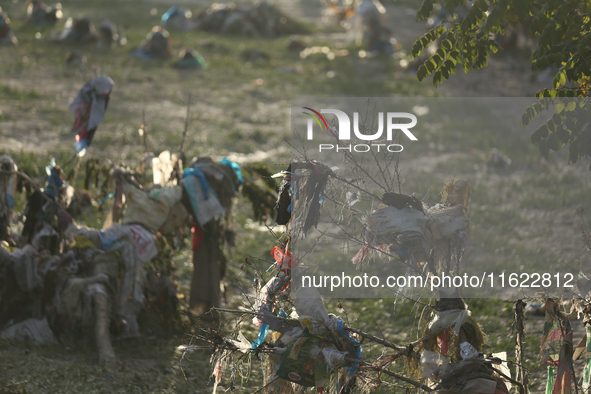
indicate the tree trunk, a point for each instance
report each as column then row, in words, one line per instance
column 205, row 284
column 103, row 339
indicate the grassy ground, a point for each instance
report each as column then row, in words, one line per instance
column 523, row 215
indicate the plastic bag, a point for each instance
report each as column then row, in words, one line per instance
column 334, row 358
column 302, row 362
column 168, row 196
column 503, row 367
column 445, row 319
column 142, row 209
column 163, row 166
column 385, row 224
column 445, row 222
column 430, row 364
column 177, row 219
column 311, row 310
column 144, row 243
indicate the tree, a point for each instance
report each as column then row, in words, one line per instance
column 563, row 31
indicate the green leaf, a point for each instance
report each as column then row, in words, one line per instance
column 423, row 42
column 417, row 48
column 544, row 131
column 563, row 135
column 425, row 10
column 437, row 78
column 450, row 65
column 493, row 46
column 559, row 108
column 481, row 5
column 446, row 44
column 553, row 142
column 543, row 147
column 422, row 72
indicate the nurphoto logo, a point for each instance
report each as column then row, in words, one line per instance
column 395, row 121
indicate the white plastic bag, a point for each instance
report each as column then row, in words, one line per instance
column 430, row 364
column 142, row 209
column 311, row 310
column 446, row 319
column 144, row 243
column 445, row 222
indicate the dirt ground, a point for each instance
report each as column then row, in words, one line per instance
column 232, row 115
column 36, row 129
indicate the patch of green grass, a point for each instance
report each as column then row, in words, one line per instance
column 13, row 94
column 5, row 117
column 145, row 365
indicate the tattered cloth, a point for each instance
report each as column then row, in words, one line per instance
column 135, row 246
column 76, row 31
column 557, row 350
column 157, row 46
column 130, row 298
column 469, row 377
column 150, row 210
column 204, row 200
column 404, row 228
column 89, row 109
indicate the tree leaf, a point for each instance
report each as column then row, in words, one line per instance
column 559, row 107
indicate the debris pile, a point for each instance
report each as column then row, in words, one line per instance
column 189, row 59
column 7, row 37
column 59, row 278
column 303, row 345
column 250, row 20
column 367, row 26
column 78, row 31
column 40, row 14
column 156, row 45
column 108, row 36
